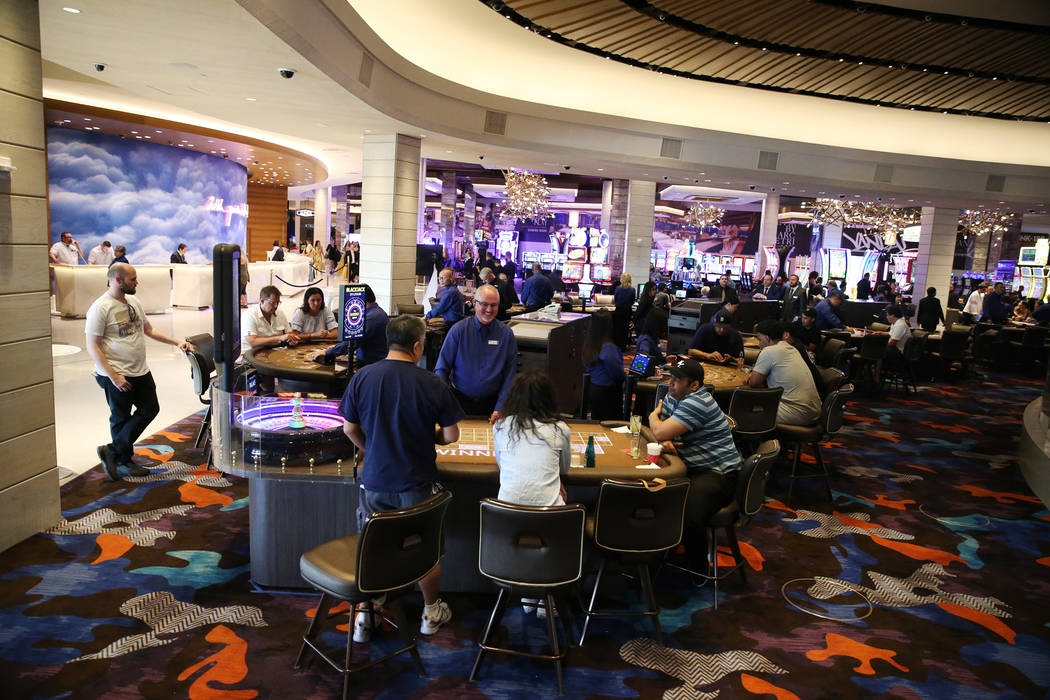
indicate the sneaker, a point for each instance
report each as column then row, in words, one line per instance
column 529, row 605
column 541, row 612
column 434, row 616
column 135, row 470
column 363, row 625
column 109, row 462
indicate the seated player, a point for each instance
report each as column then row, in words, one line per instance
column 900, row 333
column 390, row 410
column 654, row 329
column 690, row 424
column 537, row 291
column 313, row 319
column 604, row 361
column 479, row 357
column 717, row 341
column 806, row 332
column 266, row 326
column 780, row 365
column 372, row 347
column 450, row 305
column 827, row 316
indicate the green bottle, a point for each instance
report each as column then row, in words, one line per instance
column 589, row 454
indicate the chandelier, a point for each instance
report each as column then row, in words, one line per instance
column 888, row 221
column 527, row 195
column 982, row 221
column 704, row 216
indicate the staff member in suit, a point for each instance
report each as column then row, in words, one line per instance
column 794, row 298
column 930, row 311
column 179, row 256
column 768, row 290
column 864, row 287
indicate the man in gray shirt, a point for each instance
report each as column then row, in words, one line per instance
column 779, row 364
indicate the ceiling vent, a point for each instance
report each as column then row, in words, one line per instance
column 671, row 148
column 767, row 160
column 364, row 76
column 995, row 183
column 883, row 173
column 495, row 123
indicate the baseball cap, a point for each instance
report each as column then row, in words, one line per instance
column 688, row 369
column 722, row 318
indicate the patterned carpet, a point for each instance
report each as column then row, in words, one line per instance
column 143, row 590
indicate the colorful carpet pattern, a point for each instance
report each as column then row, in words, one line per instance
column 933, row 541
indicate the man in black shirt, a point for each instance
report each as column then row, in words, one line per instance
column 806, row 332
column 864, row 287
column 717, row 341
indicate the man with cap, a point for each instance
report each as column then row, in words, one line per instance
column 717, row 341
column 826, row 309
column 974, row 303
column 690, row 424
column 479, row 357
column 370, row 348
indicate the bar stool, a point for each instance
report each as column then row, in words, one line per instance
column 202, row 371
column 754, row 412
column 393, row 551
column 532, row 551
column 831, row 411
column 634, row 524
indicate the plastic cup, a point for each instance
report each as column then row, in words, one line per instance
column 576, row 460
column 653, row 450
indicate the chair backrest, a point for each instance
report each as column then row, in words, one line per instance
column 951, row 317
column 751, row 482
column 399, row 547
column 202, row 363
column 755, row 410
column 205, row 345
column 1034, row 338
column 631, row 518
column 873, row 346
column 830, row 380
column 953, row 343
column 829, row 352
column 915, row 348
column 531, row 545
column 876, row 326
column 833, row 407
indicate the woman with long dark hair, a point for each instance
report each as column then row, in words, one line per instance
column 604, row 361
column 645, row 302
column 313, row 319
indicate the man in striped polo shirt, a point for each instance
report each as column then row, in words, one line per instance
column 690, row 424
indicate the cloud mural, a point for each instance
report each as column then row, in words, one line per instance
column 144, row 196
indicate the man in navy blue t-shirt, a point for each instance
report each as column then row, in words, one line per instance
column 396, row 412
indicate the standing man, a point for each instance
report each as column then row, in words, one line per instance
column 179, row 256
column 974, row 303
column 826, row 309
column 779, row 364
column 690, row 424
column 537, row 291
column 450, row 307
column 794, row 298
column 390, row 410
column 102, row 254
column 508, row 296
column 116, row 331
column 509, row 267
column 930, row 311
column 66, row 251
column 479, row 357
column 995, row 308
column 864, row 287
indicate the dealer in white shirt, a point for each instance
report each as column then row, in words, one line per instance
column 975, row 302
column 102, row 254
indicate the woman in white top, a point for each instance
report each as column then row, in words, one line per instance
column 313, row 319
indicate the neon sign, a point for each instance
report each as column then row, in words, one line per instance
column 216, row 204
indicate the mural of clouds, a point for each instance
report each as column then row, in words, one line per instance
column 144, row 196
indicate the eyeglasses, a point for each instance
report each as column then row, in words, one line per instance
column 487, row 305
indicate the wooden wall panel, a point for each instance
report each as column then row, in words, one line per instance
column 267, row 219
column 30, row 506
column 22, row 363
column 26, row 456
column 25, row 316
column 25, row 410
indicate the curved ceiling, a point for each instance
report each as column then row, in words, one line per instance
column 859, row 52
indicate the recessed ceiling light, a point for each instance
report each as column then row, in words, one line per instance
column 87, row 119
column 71, row 10
column 159, row 131
column 249, row 99
column 601, row 169
column 134, row 132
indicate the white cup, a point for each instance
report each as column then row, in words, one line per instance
column 653, row 450
column 576, row 460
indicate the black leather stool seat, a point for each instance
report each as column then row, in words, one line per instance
column 800, row 433
column 332, row 568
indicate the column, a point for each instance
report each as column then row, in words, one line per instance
column 389, row 211
column 641, row 207
column 470, row 205
column 323, row 216
column 767, row 232
column 616, row 224
column 448, row 211
column 342, row 226
column 29, row 500
column 933, row 267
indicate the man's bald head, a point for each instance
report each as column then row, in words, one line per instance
column 121, row 270
column 486, row 304
column 487, row 293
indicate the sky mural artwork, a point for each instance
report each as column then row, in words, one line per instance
column 144, row 196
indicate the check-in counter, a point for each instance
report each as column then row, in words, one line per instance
column 77, row 286
column 191, row 286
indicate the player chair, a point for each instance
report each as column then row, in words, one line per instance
column 954, row 350
column 393, row 551
column 754, row 413
column 634, row 524
column 531, row 551
column 202, row 370
column 833, row 407
column 903, row 372
column 870, row 359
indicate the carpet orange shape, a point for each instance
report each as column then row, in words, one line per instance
column 838, row 645
column 999, row 496
column 202, row 497
column 224, row 667
column 760, row 686
column 113, row 546
column 881, row 500
column 983, row 619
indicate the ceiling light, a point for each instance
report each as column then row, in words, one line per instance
column 87, row 119
column 249, row 99
column 134, row 132
column 71, row 10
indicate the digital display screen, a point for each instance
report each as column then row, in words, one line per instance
column 837, row 258
column 601, row 273
column 572, row 271
column 353, row 326
column 641, row 365
column 1027, row 256
column 599, row 255
column 680, row 293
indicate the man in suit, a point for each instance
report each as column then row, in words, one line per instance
column 794, row 298
column 179, row 256
column 864, row 287
column 930, row 311
column 767, row 290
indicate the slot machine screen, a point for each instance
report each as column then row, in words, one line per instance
column 601, row 273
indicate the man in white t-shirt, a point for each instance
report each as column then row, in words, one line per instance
column 900, row 333
column 102, row 254
column 779, row 364
column 116, row 331
column 266, row 326
column 975, row 302
column 66, row 251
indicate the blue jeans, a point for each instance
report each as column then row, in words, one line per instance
column 125, row 427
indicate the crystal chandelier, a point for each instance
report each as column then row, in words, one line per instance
column 887, row 220
column 982, row 221
column 704, row 216
column 527, row 195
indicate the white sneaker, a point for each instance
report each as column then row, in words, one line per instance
column 541, row 612
column 363, row 625
column 529, row 605
column 434, row 616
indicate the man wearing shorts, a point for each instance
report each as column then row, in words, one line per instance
column 390, row 410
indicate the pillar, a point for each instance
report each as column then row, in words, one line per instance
column 29, row 500
column 767, row 232
column 342, row 223
column 448, row 211
column 323, row 216
column 470, row 205
column 933, row 266
column 607, row 204
column 616, row 225
column 641, row 208
column 389, row 212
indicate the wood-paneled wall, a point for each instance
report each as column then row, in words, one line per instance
column 267, row 219
column 29, row 499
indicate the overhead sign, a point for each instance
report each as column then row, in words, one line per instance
column 304, row 212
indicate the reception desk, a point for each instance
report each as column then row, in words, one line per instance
column 290, row 276
column 77, row 286
column 191, row 286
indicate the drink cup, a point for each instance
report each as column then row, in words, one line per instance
column 576, row 460
column 653, row 450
